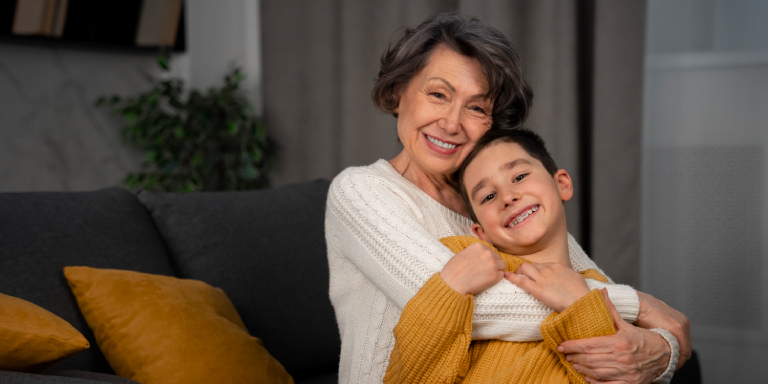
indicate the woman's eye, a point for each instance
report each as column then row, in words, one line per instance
column 488, row 197
column 520, row 177
column 478, row 109
column 438, row 95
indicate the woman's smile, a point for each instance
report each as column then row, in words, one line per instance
column 441, row 146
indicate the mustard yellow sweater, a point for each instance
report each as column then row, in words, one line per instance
column 433, row 339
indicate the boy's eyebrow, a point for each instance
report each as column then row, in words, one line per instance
column 512, row 164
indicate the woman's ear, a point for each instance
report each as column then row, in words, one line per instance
column 564, row 184
column 480, row 232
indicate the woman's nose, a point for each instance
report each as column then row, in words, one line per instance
column 451, row 122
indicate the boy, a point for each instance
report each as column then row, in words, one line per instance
column 515, row 195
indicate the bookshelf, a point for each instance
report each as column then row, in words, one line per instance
column 115, row 25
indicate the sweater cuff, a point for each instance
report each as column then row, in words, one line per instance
column 439, row 305
column 623, row 297
column 586, row 317
column 674, row 354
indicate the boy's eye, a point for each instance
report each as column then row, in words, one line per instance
column 520, row 177
column 488, row 197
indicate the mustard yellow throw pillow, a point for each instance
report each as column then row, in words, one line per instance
column 160, row 329
column 33, row 339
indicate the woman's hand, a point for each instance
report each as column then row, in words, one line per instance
column 655, row 313
column 633, row 355
column 473, row 270
column 553, row 284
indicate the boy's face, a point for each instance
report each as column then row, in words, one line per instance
column 518, row 204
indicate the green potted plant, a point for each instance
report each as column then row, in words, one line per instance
column 194, row 141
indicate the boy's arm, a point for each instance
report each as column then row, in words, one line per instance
column 433, row 336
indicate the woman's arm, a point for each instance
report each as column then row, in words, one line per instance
column 655, row 313
column 380, row 229
column 633, row 355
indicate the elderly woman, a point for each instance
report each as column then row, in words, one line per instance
column 445, row 81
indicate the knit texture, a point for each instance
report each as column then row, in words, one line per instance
column 433, row 342
column 382, row 234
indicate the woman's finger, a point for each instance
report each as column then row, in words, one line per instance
column 592, row 360
column 599, row 375
column 600, row 344
column 617, row 320
column 501, row 265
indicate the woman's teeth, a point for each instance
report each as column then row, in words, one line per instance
column 440, row 143
column 523, row 216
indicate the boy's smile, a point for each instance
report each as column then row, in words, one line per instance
column 518, row 204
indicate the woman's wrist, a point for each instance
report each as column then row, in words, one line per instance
column 674, row 354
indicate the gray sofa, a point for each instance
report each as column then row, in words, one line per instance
column 265, row 249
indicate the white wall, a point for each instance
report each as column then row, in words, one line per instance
column 52, row 138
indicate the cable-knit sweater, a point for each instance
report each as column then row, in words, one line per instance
column 383, row 233
column 433, row 342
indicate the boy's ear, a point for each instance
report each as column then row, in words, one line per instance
column 479, row 232
column 564, row 184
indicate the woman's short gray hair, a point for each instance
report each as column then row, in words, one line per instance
column 499, row 60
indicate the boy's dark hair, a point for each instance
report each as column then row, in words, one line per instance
column 531, row 143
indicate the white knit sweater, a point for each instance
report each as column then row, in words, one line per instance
column 382, row 233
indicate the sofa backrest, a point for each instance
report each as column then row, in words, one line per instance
column 42, row 232
column 266, row 250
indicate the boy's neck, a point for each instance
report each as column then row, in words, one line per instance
column 556, row 252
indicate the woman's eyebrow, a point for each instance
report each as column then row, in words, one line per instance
column 444, row 81
column 478, row 96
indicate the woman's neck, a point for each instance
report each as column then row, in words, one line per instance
column 437, row 187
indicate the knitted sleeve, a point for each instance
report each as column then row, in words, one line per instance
column 433, row 336
column 377, row 227
column 587, row 317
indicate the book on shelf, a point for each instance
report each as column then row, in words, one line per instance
column 40, row 17
column 158, row 23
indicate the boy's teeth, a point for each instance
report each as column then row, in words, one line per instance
column 523, row 216
column 440, row 143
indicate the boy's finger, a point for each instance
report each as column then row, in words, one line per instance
column 528, row 270
column 518, row 280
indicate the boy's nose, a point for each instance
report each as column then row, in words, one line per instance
column 509, row 198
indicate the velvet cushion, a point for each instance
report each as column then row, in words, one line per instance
column 42, row 232
column 267, row 250
column 33, row 339
column 160, row 329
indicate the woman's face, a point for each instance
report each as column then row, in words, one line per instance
column 443, row 111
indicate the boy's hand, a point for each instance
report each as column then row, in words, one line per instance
column 473, row 270
column 553, row 284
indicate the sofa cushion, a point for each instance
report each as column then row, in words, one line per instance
column 33, row 339
column 8, row 377
column 266, row 249
column 162, row 329
column 41, row 232
column 98, row 377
